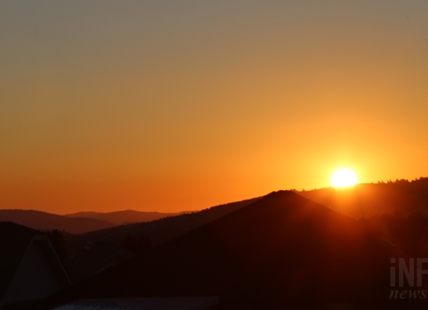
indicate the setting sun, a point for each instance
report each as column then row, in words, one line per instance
column 343, row 178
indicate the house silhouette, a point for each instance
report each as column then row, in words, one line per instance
column 29, row 266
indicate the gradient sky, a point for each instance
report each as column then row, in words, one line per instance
column 181, row 105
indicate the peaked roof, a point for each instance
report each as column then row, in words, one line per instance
column 14, row 242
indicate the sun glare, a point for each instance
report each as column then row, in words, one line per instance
column 343, row 178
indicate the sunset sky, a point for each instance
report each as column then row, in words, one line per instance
column 182, row 105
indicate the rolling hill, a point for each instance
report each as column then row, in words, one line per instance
column 123, row 217
column 281, row 246
column 162, row 230
column 137, row 237
column 47, row 221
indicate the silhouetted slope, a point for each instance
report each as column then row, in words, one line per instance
column 160, row 231
column 137, row 237
column 123, row 217
column 283, row 245
column 47, row 221
column 399, row 198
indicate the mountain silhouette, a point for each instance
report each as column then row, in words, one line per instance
column 107, row 246
column 162, row 230
column 47, row 221
column 123, row 217
column 282, row 246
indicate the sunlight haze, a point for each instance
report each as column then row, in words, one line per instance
column 343, row 177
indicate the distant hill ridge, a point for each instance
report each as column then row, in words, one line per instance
column 100, row 223
column 164, row 229
column 138, row 237
column 47, row 221
column 400, row 197
column 123, row 217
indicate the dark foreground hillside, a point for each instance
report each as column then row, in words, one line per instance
column 278, row 250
